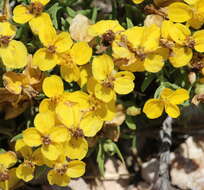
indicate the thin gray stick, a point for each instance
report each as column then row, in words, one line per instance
column 161, row 180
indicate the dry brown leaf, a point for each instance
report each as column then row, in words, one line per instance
column 79, row 28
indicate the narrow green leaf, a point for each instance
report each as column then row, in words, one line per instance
column 129, row 23
column 147, row 81
column 15, row 138
column 130, row 123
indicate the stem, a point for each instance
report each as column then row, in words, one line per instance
column 6, row 9
column 6, row 185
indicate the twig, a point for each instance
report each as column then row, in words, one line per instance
column 161, row 180
column 6, row 10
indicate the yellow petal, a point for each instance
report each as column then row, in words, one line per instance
column 25, row 172
column 180, row 56
column 179, row 33
column 56, row 179
column 151, row 36
column 51, row 151
column 178, row 96
column 137, row 1
column 53, row 86
column 44, row 122
column 47, row 105
column 76, row 148
column 90, row 124
column 123, row 83
column 7, row 29
column 102, row 66
column 63, row 42
column 45, row 60
column 14, row 48
column 103, row 26
column 65, row 114
column 25, row 150
column 8, row 159
column 13, row 180
column 134, row 36
column 76, row 169
column 153, row 63
column 59, row 134
column 199, row 40
column 179, row 12
column 40, row 22
column 70, row 72
column 44, row 2
column 32, row 137
column 165, row 93
column 48, row 36
column 21, row 14
column 153, row 108
column 104, row 93
column 14, row 82
column 38, row 158
column 81, row 53
column 172, row 110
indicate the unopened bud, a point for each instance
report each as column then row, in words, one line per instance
column 153, row 19
column 192, row 77
column 133, row 111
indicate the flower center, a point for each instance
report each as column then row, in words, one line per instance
column 4, row 40
column 77, row 133
column 4, row 175
column 46, row 140
column 62, row 169
column 29, row 163
column 108, row 83
column 36, row 8
column 51, row 49
column 108, row 38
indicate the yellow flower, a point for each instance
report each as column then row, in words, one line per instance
column 48, row 57
column 198, row 38
column 192, row 12
column 46, row 134
column 63, row 172
column 25, row 170
column 33, row 13
column 9, row 47
column 137, row 49
column 110, row 82
column 104, row 26
column 79, row 54
column 168, row 100
column 177, row 37
column 7, row 160
column 137, row 1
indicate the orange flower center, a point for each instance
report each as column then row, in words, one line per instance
column 36, row 8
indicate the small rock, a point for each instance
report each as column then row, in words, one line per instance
column 148, row 170
column 187, row 170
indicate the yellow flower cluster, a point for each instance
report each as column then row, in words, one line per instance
column 64, row 119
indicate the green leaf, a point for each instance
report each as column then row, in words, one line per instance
column 15, row 138
column 117, row 150
column 94, row 14
column 147, row 81
column 101, row 159
column 72, row 13
column 129, row 23
column 130, row 123
column 2, row 150
column 53, row 11
column 40, row 171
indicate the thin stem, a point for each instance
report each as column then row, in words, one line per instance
column 6, row 9
column 6, row 185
